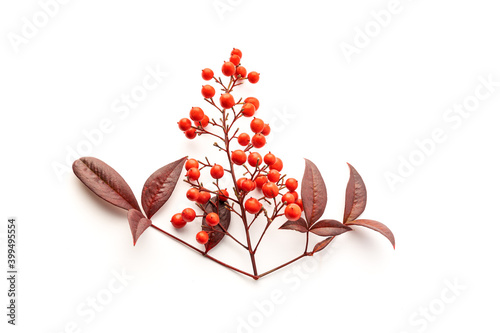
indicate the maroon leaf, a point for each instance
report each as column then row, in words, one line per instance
column 300, row 225
column 355, row 196
column 138, row 223
column 160, row 185
column 313, row 193
column 105, row 182
column 377, row 226
column 218, row 232
column 321, row 245
column 329, row 228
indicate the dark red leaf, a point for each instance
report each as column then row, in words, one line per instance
column 300, row 225
column 377, row 226
column 138, row 223
column 216, row 233
column 321, row 245
column 355, row 196
column 160, row 185
column 104, row 181
column 313, row 193
column 329, row 228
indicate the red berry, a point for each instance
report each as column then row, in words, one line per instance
column 190, row 133
column 238, row 157
column 188, row 214
column 196, row 114
column 256, row 125
column 184, row 124
column 241, row 71
column 254, row 159
column 299, row 203
column 228, row 68
column 273, row 176
column 208, row 91
column 269, row 159
column 239, row 183
column 227, row 101
column 207, row 74
column 202, row 237
column 270, row 190
column 261, row 180
column 254, row 101
column 223, row 195
column 191, row 163
column 288, row 198
column 248, row 185
column 217, row 171
column 193, row 174
column 278, row 165
column 266, row 130
column 253, row 77
column 247, row 110
column 252, row 205
column 203, row 198
column 243, row 139
column 291, row 184
column 293, row 212
column 192, row 194
column 204, row 122
column 212, row 219
column 295, row 195
column 235, row 59
column 259, row 140
column 236, row 52
column 178, row 221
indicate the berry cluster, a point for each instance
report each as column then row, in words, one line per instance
column 262, row 180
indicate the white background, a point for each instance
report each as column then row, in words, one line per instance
column 65, row 79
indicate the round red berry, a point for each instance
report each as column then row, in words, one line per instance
column 227, row 101
column 270, row 190
column 193, row 174
column 254, row 101
column 256, row 125
column 178, row 221
column 241, row 71
column 238, row 157
column 223, row 195
column 278, row 165
column 295, row 194
column 273, row 175
column 248, row 185
column 259, row 140
column 207, row 74
column 191, row 163
column 252, row 205
column 212, row 219
column 291, row 184
column 261, row 180
column 184, row 124
column 192, row 194
column 188, row 214
column 196, row 114
column 204, row 122
column 203, row 197
column 190, row 133
column 235, row 59
column 266, row 130
column 217, row 171
column 239, row 183
column 243, row 139
column 228, row 68
column 202, row 237
column 253, row 77
column 288, row 198
column 208, row 91
column 269, row 159
column 299, row 203
column 236, row 52
column 254, row 159
column 293, row 212
column 247, row 110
